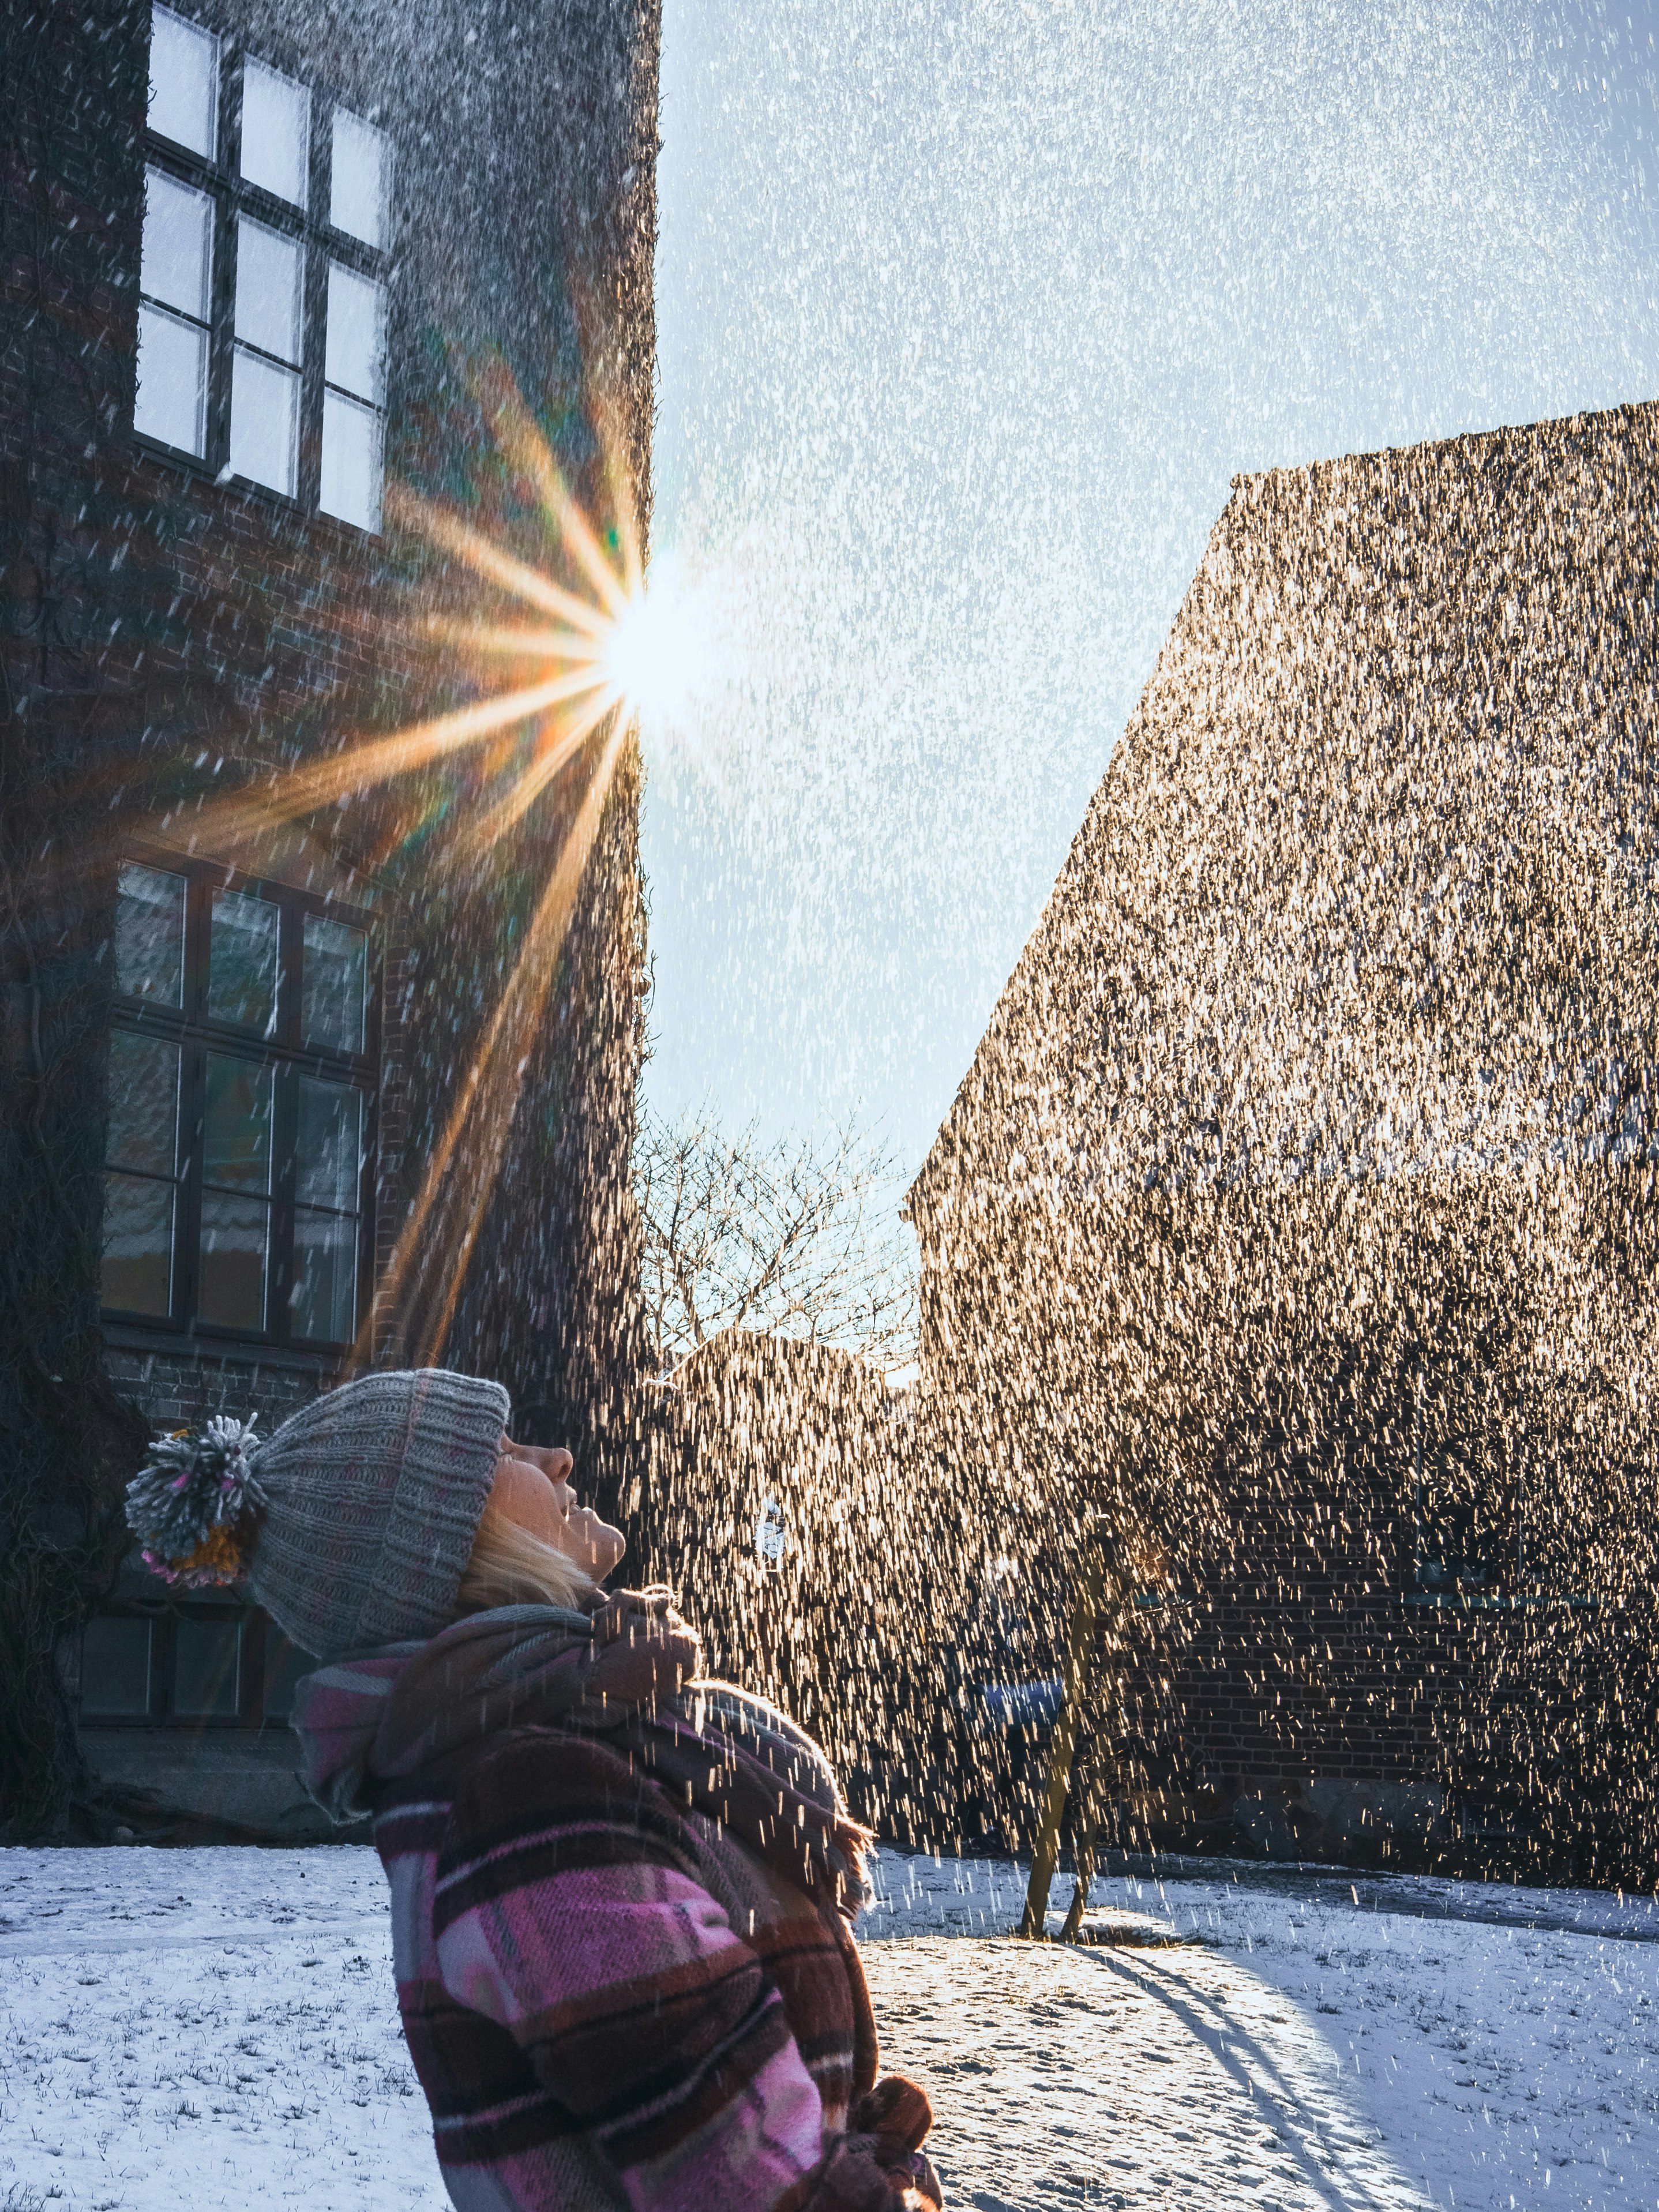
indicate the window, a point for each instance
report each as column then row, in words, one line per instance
column 115, row 1668
column 199, row 1663
column 353, row 400
column 262, row 283
column 242, row 1088
column 1464, row 1509
column 175, row 289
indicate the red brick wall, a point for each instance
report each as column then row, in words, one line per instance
column 1265, row 1476
column 165, row 640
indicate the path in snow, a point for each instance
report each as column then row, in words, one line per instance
column 1139, row 2078
column 216, row 2027
column 1405, row 2038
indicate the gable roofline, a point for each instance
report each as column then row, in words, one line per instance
column 1402, row 498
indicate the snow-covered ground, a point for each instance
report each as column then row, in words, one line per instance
column 1320, row 2040
column 185, row 2029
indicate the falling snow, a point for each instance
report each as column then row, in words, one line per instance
column 1296, row 1216
column 967, row 315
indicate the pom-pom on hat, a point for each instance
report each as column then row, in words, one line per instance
column 193, row 1507
column 353, row 1524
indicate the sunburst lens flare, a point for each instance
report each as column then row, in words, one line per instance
column 657, row 651
column 557, row 750
column 510, row 644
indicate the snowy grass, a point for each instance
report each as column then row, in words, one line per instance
column 218, row 2028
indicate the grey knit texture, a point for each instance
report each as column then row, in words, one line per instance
column 375, row 1494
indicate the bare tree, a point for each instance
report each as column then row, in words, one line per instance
column 788, row 1238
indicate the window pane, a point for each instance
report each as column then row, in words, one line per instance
column 275, row 132
column 177, row 260
column 137, row 1271
column 331, row 1142
column 333, row 984
column 356, row 333
column 324, row 1302
column 264, row 420
column 235, row 1234
column 284, row 1665
column 242, row 964
column 114, row 1669
column 144, row 1104
column 206, row 1665
column 357, row 195
column 351, row 462
column 172, row 401
column 236, row 1134
column 184, row 81
column 150, row 935
column 268, row 289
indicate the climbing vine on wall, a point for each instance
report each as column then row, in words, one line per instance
column 66, row 1443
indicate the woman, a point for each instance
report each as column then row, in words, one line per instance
column 623, row 1898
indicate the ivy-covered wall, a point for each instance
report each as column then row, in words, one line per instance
column 168, row 640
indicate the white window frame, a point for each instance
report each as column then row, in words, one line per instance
column 333, row 461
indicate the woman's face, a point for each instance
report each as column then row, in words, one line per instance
column 532, row 1488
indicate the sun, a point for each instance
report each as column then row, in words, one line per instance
column 655, row 652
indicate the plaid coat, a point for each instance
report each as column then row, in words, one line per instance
column 611, row 1999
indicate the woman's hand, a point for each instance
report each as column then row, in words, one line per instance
column 897, row 2110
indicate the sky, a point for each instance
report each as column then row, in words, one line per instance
column 967, row 315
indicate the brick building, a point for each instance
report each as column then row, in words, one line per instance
column 1296, row 1217
column 321, row 969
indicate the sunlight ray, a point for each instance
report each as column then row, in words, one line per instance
column 513, row 644
column 492, row 826
column 377, row 760
column 490, row 561
column 482, row 1110
column 497, row 1100
column 523, row 439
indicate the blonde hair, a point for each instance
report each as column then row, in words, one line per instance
column 509, row 1566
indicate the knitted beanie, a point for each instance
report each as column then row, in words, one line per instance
column 373, row 1495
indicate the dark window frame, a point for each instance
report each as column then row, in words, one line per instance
column 1460, row 1547
column 191, row 1028
column 1472, row 1553
column 258, row 1661
column 233, row 196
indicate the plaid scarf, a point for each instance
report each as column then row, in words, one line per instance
column 626, row 1673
